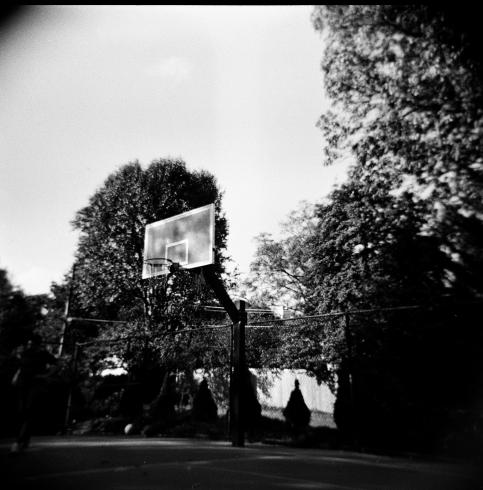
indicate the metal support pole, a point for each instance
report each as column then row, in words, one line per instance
column 237, row 354
column 239, row 373
column 221, row 294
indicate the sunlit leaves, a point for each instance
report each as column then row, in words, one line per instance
column 407, row 104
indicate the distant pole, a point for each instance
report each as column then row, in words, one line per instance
column 350, row 366
column 66, row 312
column 348, row 341
column 232, row 384
column 71, row 388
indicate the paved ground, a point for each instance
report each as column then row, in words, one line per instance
column 90, row 463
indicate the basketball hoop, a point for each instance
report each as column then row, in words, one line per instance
column 161, row 266
column 186, row 239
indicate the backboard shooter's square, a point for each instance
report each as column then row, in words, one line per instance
column 186, row 239
column 177, row 252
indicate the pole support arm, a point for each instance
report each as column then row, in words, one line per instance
column 221, row 294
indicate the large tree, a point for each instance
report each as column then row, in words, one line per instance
column 366, row 251
column 406, row 228
column 107, row 282
column 109, row 257
column 407, row 96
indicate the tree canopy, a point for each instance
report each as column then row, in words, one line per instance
column 406, row 109
column 109, row 257
column 280, row 266
column 404, row 229
column 407, row 106
column 107, row 282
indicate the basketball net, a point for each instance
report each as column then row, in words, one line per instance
column 160, row 267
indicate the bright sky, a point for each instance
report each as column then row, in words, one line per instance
column 235, row 90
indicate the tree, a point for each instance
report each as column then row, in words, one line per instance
column 18, row 315
column 110, row 250
column 367, row 251
column 52, row 323
column 277, row 273
column 279, row 277
column 406, row 228
column 407, row 104
column 109, row 259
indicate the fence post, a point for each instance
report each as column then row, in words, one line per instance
column 231, row 388
column 350, row 366
column 71, row 388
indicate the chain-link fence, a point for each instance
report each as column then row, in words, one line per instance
column 402, row 377
column 390, row 377
column 175, row 383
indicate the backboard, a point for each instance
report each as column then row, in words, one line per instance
column 187, row 239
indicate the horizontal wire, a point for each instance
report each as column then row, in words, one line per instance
column 295, row 322
column 145, row 337
column 93, row 320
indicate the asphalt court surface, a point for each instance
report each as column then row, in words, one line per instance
column 91, row 463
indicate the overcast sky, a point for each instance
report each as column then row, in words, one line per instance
column 85, row 89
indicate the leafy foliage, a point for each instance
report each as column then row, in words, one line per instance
column 20, row 314
column 108, row 283
column 367, row 250
column 110, row 251
column 407, row 104
column 277, row 274
column 406, row 228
